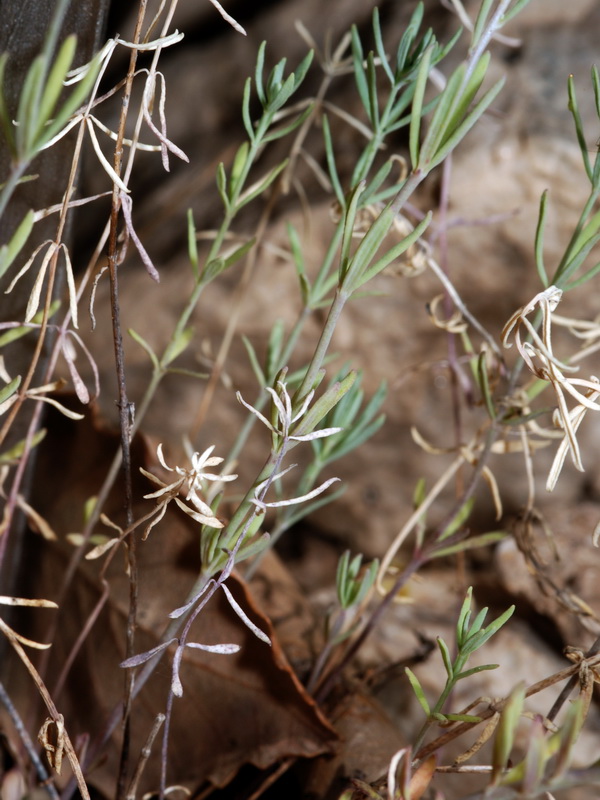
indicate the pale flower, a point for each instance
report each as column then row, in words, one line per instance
column 189, row 481
column 538, row 355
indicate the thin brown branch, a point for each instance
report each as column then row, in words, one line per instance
column 125, row 407
column 49, row 703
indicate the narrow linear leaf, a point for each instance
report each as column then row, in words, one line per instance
column 359, row 70
column 279, row 133
column 329, row 154
column 459, row 134
column 323, row 405
column 446, row 658
column 10, row 251
column 10, row 388
column 505, row 734
column 54, row 82
column 254, row 363
column 260, row 186
column 258, row 73
column 418, row 690
column 395, row 252
column 246, row 110
column 417, row 108
column 468, row 672
column 539, row 240
column 470, row 544
column 144, row 344
column 5, row 118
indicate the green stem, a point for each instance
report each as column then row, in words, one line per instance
column 339, row 301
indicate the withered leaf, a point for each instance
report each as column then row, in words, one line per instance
column 246, row 708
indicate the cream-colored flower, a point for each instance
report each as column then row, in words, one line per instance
column 539, row 357
column 188, row 482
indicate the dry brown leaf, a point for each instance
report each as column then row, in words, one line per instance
column 236, row 709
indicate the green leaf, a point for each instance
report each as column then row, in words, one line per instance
column 341, row 577
column 298, row 258
column 394, row 253
column 376, row 181
column 279, row 133
column 446, row 658
column 257, row 190
column 464, row 617
column 484, row 384
column 359, row 70
column 592, row 272
column 355, row 437
column 15, row 453
column 474, row 670
column 463, row 718
column 12, row 334
column 418, row 690
column 192, row 243
column 420, row 493
column 246, row 110
column 176, row 347
column 309, row 422
column 506, row 731
column 359, row 269
column 407, row 40
column 480, row 23
column 8, row 252
column 5, row 118
column 478, row 639
column 459, row 519
column 258, row 74
column 221, row 177
column 254, row 363
column 516, row 9
column 589, row 231
column 539, row 240
column 218, row 265
column 302, row 68
column 329, row 154
column 54, row 82
column 372, row 84
column 253, row 548
column 461, row 131
column 351, row 206
column 379, row 46
column 27, row 111
column 146, row 346
column 76, row 99
column 568, row 736
column 581, row 140
column 238, row 168
column 471, row 543
column 11, row 387
column 273, row 359
column 440, row 124
column 283, row 95
column 417, row 107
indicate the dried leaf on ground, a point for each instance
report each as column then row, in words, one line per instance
column 237, row 709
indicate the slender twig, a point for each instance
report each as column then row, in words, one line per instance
column 49, row 703
column 29, row 746
column 564, row 695
column 144, row 756
column 125, row 407
column 486, row 713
